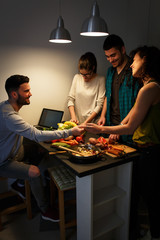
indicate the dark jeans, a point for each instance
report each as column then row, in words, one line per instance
column 18, row 168
column 146, row 183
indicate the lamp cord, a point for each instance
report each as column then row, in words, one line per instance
column 59, row 7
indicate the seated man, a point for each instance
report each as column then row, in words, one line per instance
column 12, row 130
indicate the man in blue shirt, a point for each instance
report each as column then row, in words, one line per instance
column 121, row 87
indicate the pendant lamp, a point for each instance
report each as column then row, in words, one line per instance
column 94, row 25
column 60, row 34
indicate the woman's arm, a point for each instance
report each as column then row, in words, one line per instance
column 146, row 97
column 71, row 100
column 90, row 118
column 73, row 115
column 103, row 113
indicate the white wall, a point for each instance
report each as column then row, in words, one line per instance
column 25, row 27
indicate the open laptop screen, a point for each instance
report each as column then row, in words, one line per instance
column 50, row 118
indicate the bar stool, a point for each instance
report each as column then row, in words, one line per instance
column 64, row 180
column 18, row 206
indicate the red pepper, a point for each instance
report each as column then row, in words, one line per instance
column 102, row 140
column 56, row 140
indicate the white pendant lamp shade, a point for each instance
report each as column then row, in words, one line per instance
column 94, row 25
column 60, row 34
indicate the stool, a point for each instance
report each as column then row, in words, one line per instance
column 64, row 180
column 19, row 206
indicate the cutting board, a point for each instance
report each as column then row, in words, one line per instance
column 127, row 150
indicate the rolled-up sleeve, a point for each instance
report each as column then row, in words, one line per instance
column 72, row 93
column 100, row 95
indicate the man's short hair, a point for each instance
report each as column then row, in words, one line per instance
column 13, row 83
column 113, row 41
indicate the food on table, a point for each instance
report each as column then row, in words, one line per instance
column 66, row 125
column 114, row 151
column 80, row 139
column 86, row 151
column 69, row 138
column 71, row 142
column 61, row 144
column 93, row 141
column 48, row 129
column 103, row 144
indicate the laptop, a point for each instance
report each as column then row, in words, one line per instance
column 49, row 118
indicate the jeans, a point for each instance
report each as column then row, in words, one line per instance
column 146, row 183
column 18, row 168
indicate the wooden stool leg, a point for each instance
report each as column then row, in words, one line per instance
column 0, row 224
column 61, row 214
column 52, row 193
column 28, row 199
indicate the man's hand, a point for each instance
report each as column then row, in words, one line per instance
column 76, row 131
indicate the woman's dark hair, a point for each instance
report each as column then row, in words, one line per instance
column 113, row 41
column 13, row 83
column 152, row 61
column 88, row 62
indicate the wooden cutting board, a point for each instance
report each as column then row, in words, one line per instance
column 127, row 150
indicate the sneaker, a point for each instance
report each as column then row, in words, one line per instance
column 147, row 236
column 51, row 215
column 20, row 190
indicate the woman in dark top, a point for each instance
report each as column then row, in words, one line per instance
column 143, row 121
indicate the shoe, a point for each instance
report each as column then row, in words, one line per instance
column 147, row 236
column 20, row 190
column 51, row 215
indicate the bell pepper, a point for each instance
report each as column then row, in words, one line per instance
column 102, row 140
column 57, row 140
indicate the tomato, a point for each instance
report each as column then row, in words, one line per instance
column 79, row 139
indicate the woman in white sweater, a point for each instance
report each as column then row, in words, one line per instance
column 86, row 96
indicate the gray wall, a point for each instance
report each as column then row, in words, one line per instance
column 25, row 27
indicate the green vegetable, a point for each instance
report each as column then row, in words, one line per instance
column 48, row 129
column 61, row 144
column 66, row 125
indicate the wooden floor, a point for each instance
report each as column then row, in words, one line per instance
column 18, row 227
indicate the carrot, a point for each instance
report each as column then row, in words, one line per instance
column 70, row 142
column 118, row 148
column 114, row 151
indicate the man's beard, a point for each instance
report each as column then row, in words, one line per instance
column 21, row 101
column 120, row 61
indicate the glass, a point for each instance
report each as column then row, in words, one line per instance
column 86, row 74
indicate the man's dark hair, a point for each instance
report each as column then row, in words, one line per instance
column 88, row 62
column 113, row 41
column 13, row 83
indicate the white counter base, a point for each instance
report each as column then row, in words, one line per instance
column 103, row 204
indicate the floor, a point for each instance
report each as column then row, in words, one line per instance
column 18, row 227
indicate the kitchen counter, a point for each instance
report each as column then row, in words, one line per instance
column 103, row 196
column 81, row 170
